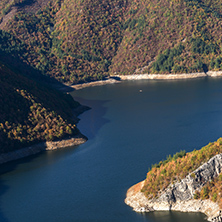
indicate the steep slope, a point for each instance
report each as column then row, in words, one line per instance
column 8, row 8
column 31, row 112
column 90, row 31
column 80, row 41
column 73, row 41
column 183, row 183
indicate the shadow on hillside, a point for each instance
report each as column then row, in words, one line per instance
column 25, row 3
column 28, row 71
column 31, row 80
column 32, row 6
column 44, row 83
column 16, row 75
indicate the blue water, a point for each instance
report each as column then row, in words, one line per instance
column 128, row 131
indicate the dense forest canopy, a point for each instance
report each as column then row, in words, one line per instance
column 31, row 112
column 80, row 41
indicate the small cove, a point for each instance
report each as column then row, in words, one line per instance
column 128, row 130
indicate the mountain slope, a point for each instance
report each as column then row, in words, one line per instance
column 170, row 37
column 31, row 112
column 80, row 41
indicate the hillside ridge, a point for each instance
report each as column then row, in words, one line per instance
column 83, row 41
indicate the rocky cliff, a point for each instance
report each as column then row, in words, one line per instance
column 179, row 196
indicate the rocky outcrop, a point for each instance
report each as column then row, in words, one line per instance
column 37, row 148
column 179, row 196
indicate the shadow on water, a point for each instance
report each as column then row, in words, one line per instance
column 173, row 216
column 92, row 120
column 29, row 163
column 3, row 189
column 8, row 167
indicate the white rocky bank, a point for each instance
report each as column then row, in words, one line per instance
column 44, row 146
column 179, row 196
column 170, row 76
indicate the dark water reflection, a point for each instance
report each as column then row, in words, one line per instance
column 163, row 216
column 128, row 130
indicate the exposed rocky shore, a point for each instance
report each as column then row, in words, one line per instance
column 118, row 78
column 170, row 76
column 179, row 196
column 110, row 80
column 162, row 76
column 48, row 145
column 44, row 146
column 214, row 73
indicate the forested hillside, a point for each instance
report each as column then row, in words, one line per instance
column 177, row 167
column 31, row 112
column 83, row 40
column 79, row 41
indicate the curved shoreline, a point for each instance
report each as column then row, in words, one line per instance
column 48, row 145
column 109, row 80
column 24, row 152
column 118, row 78
column 44, row 146
column 179, row 195
column 137, row 200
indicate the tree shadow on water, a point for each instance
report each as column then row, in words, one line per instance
column 4, row 188
column 92, row 120
column 174, row 216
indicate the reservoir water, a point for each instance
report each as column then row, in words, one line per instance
column 131, row 126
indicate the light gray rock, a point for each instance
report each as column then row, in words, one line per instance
column 179, row 196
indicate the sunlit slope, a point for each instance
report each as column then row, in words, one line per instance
column 177, row 167
column 79, row 41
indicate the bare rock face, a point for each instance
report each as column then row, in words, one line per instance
column 179, row 196
column 185, row 189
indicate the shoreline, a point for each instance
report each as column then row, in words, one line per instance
column 119, row 78
column 170, row 76
column 43, row 146
column 163, row 76
column 179, row 195
column 75, row 140
column 109, row 80
column 140, row 204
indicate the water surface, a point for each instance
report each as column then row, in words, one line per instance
column 128, row 131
